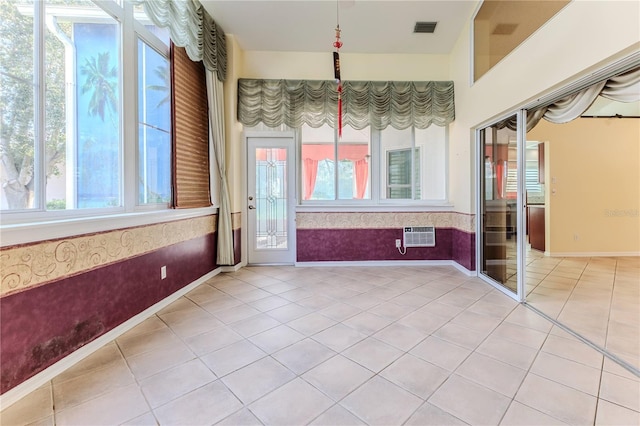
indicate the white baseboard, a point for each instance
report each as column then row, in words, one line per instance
column 594, row 254
column 374, row 263
column 233, row 268
column 33, row 383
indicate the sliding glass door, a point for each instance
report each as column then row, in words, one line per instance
column 500, row 205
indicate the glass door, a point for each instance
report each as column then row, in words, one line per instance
column 500, row 219
column 271, row 201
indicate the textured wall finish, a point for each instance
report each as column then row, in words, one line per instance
column 375, row 220
column 43, row 324
column 25, row 266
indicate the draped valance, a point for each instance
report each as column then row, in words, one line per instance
column 621, row 88
column 190, row 26
column 378, row 104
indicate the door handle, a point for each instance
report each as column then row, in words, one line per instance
column 251, row 207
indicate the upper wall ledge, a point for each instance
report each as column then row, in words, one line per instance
column 29, row 232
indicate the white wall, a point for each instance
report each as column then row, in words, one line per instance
column 582, row 38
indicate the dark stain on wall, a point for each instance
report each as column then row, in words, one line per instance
column 40, row 326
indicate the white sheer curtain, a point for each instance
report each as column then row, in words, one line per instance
column 217, row 143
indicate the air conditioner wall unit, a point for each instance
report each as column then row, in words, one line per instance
column 419, row 236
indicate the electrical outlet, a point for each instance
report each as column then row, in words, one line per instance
column 163, row 272
column 398, row 243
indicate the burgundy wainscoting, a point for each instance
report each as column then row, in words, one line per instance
column 317, row 245
column 42, row 325
column 322, row 245
column 463, row 249
column 237, row 246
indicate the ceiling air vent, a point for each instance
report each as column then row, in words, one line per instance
column 425, row 27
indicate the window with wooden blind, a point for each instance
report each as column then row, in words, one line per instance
column 190, row 131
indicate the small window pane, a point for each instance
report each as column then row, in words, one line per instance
column 141, row 16
column 318, row 163
column 82, row 124
column 398, row 150
column 17, row 107
column 353, row 158
column 154, row 126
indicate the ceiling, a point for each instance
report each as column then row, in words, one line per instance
column 368, row 26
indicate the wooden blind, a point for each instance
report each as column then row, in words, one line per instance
column 190, row 131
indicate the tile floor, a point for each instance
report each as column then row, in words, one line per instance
column 339, row 346
column 598, row 298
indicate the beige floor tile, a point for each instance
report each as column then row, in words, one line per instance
column 337, row 416
column 470, row 402
column 152, row 323
column 34, row 407
column 620, row 390
column 400, row 336
column 316, row 302
column 556, row 400
column 337, row 376
column 276, row 338
column 496, row 310
column 441, row 353
column 339, row 337
column 106, row 355
column 252, row 295
column 243, row 417
column 91, row 384
column 295, row 403
column 612, row 414
column 255, row 380
column 155, row 340
column 171, row 384
column 195, row 325
column 218, row 338
column 115, row 407
column 441, row 310
column 288, row 312
column 204, row 406
column 150, row 363
column 476, row 322
column 492, row 374
column 391, row 310
column 522, row 335
column 430, row 415
column 380, row 402
column 367, row 323
column 525, row 317
column 372, row 354
column 508, row 352
column 269, row 303
column 311, row 324
column 254, row 325
column 147, row 419
column 520, row 415
column 461, row 336
column 236, row 313
column 340, row 311
column 423, row 321
column 303, row 355
column 415, row 375
column 574, row 350
column 567, row 372
column 233, row 357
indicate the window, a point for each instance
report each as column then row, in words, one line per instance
column 321, row 173
column 411, row 165
column 65, row 106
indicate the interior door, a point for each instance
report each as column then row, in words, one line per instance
column 271, row 200
column 501, row 206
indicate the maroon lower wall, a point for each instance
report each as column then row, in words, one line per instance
column 42, row 325
column 237, row 246
column 318, row 245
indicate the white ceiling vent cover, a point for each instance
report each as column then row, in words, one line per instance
column 419, row 236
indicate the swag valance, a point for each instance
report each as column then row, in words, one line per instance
column 378, row 104
column 191, row 27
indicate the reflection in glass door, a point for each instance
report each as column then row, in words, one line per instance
column 271, row 200
column 499, row 218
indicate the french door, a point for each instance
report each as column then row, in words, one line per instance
column 271, row 199
column 501, row 205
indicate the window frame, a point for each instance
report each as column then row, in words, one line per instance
column 38, row 224
column 377, row 180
